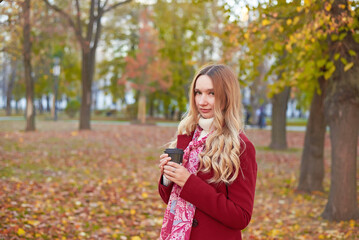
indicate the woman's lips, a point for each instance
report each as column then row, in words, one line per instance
column 205, row 110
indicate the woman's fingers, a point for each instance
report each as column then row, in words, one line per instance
column 164, row 155
column 176, row 173
column 164, row 159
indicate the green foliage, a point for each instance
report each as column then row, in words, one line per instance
column 73, row 106
column 296, row 37
column 292, row 37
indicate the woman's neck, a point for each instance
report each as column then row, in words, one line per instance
column 205, row 123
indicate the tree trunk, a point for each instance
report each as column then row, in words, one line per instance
column 10, row 87
column 53, row 109
column 254, row 106
column 342, row 202
column 94, row 96
column 258, row 94
column 16, row 106
column 48, row 109
column 41, row 106
column 30, row 113
column 341, row 108
column 141, row 114
column 55, row 96
column 279, row 110
column 179, row 116
column 152, row 105
column 86, row 79
column 312, row 163
column 4, row 77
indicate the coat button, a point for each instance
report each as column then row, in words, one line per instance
column 195, row 223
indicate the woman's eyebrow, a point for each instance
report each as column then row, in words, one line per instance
column 205, row 90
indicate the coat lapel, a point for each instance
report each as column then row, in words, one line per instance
column 184, row 140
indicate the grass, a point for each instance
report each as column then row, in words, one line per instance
column 102, row 117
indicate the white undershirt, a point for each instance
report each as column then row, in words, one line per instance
column 206, row 125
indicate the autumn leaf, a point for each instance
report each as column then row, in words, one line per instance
column 265, row 22
column 20, row 232
column 348, row 66
column 135, row 238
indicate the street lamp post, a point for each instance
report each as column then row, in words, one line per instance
column 56, row 72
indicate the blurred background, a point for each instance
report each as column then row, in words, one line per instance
column 136, row 60
column 127, row 65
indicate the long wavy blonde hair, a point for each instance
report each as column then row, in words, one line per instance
column 222, row 150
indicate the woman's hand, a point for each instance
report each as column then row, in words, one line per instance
column 176, row 173
column 164, row 159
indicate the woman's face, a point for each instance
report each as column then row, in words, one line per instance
column 204, row 96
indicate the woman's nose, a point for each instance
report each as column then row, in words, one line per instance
column 203, row 100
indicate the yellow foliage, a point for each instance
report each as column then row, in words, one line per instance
column 347, row 234
column 288, row 47
column 289, row 21
column 34, row 222
column 352, row 223
column 278, row 46
column 328, row 6
column 135, row 238
column 20, row 232
column 275, row 232
column 144, row 195
column 348, row 66
column 265, row 22
column 146, row 183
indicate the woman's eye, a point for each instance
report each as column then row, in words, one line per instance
column 197, row 92
column 211, row 93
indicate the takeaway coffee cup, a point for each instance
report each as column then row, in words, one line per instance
column 176, row 155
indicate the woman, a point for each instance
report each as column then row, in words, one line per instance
column 211, row 195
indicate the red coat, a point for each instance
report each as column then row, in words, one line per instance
column 219, row 215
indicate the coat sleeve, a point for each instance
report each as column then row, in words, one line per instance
column 235, row 211
column 164, row 191
column 182, row 143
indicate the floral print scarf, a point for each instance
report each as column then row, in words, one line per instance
column 178, row 217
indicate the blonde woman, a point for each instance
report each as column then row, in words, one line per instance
column 211, row 194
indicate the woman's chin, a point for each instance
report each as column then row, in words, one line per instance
column 206, row 116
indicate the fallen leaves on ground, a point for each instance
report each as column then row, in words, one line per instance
column 60, row 183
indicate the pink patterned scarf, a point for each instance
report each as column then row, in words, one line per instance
column 177, row 221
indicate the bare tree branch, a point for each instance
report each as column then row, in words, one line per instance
column 116, row 5
column 98, row 28
column 104, row 5
column 91, row 21
column 69, row 19
column 78, row 17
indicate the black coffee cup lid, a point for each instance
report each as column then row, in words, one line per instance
column 174, row 150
